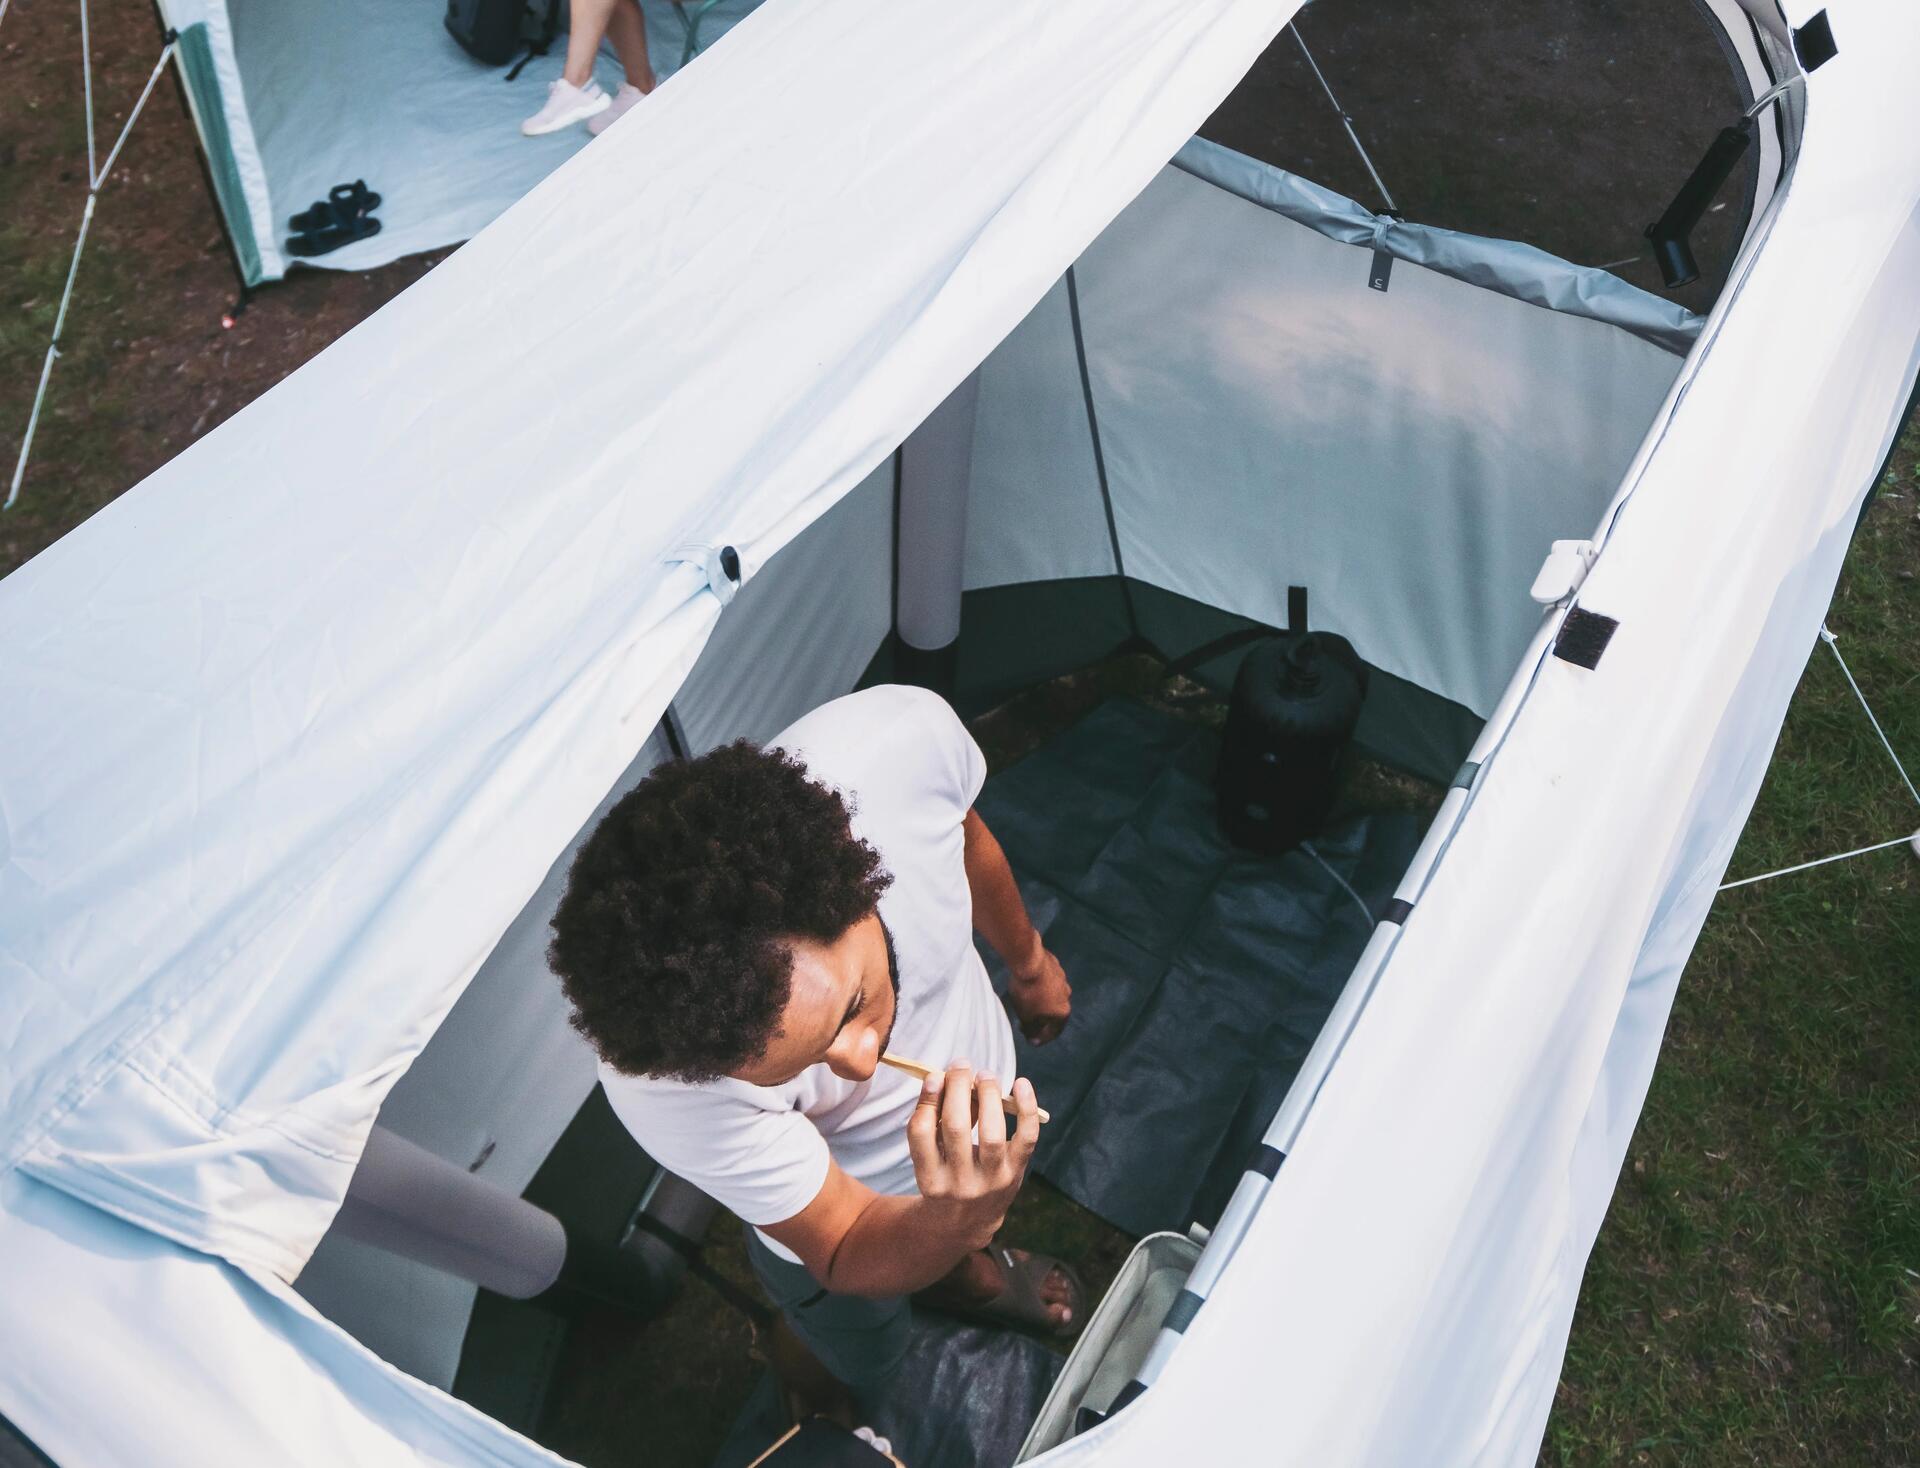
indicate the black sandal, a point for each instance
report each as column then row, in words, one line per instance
column 343, row 201
column 325, row 241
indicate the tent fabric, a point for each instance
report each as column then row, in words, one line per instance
column 277, row 792
column 1266, row 420
column 1613, row 804
column 1513, row 269
column 222, row 1367
column 492, row 1090
column 1201, row 972
column 308, row 96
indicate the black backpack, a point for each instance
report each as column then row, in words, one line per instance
column 493, row 31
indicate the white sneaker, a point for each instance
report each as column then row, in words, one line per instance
column 623, row 103
column 566, row 105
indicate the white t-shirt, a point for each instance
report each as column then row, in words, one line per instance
column 909, row 772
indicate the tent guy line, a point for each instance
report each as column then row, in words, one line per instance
column 96, row 177
column 1826, row 636
column 1834, row 643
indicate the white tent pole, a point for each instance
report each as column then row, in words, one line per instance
column 86, row 81
column 1345, row 120
column 153, row 80
column 96, row 178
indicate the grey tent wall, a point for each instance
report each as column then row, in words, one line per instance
column 1266, row 418
column 802, row 630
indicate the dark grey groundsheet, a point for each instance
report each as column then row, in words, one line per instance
column 965, row 1397
column 1201, row 973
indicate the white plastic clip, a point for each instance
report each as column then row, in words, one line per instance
column 1562, row 572
column 721, row 563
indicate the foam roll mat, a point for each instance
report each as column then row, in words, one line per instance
column 1201, row 973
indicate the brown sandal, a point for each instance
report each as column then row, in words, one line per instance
column 1020, row 1305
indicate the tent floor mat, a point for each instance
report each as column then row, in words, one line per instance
column 964, row 1398
column 1201, row 973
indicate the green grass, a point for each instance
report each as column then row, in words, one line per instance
column 1753, row 1296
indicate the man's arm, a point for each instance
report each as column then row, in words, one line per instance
column 1039, row 989
column 859, row 1242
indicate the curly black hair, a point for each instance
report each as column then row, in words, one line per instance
column 672, row 939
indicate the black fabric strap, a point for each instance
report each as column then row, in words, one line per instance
column 1219, row 646
column 1099, row 456
column 1296, row 609
column 1397, row 911
column 1180, row 1314
column 1266, row 1161
column 697, row 1265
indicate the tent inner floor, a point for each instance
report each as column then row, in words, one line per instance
column 1201, row 976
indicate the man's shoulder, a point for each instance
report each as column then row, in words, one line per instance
column 886, row 741
column 872, row 716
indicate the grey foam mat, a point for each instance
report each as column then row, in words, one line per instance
column 1201, row 973
column 964, row 1398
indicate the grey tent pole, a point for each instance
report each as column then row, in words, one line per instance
column 1345, row 120
column 936, row 464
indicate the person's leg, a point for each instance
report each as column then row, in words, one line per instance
column 585, row 30
column 627, row 28
column 858, row 1342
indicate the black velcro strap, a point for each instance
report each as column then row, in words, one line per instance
column 1296, row 609
column 1397, row 911
column 1180, row 1314
column 1266, row 1161
column 1463, row 777
column 1813, row 43
column 1584, row 637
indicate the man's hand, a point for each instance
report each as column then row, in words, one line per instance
column 971, row 1184
column 1041, row 995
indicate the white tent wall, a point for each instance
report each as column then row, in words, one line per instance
column 156, row 1355
column 1520, row 1014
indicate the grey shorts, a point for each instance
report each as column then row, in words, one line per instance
column 862, row 1342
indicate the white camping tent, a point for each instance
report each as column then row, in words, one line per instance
column 297, row 728
column 290, row 100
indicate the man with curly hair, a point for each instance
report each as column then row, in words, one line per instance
column 741, row 938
